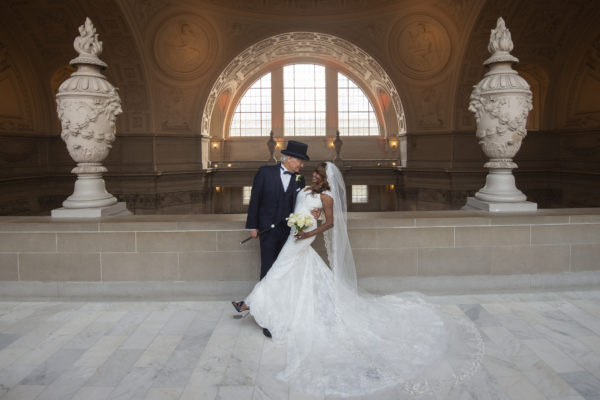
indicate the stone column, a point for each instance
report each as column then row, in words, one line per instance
column 87, row 106
column 501, row 102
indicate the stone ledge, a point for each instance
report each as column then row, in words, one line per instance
column 205, row 248
column 227, row 290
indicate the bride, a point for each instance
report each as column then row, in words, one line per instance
column 341, row 341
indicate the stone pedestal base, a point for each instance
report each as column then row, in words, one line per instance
column 476, row 204
column 116, row 209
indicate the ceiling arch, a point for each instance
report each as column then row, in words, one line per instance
column 246, row 67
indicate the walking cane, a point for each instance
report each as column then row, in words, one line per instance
column 260, row 232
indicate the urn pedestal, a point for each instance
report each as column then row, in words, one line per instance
column 501, row 102
column 87, row 106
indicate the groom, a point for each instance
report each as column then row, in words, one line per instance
column 273, row 198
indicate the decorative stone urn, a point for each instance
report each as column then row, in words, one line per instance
column 87, row 106
column 501, row 102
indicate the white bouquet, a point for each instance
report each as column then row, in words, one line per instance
column 300, row 221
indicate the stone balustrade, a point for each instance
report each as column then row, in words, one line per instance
column 200, row 256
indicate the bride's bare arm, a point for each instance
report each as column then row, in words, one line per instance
column 327, row 202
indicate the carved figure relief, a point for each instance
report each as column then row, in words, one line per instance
column 429, row 109
column 420, row 45
column 174, row 112
column 184, row 48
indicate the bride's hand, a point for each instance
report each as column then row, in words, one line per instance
column 301, row 235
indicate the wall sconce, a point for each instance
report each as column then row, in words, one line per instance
column 394, row 164
column 278, row 144
column 216, row 165
column 228, row 165
column 379, row 164
column 218, row 189
column 215, row 145
column 393, row 144
column 331, row 144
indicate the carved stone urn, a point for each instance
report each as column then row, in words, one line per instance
column 87, row 106
column 501, row 102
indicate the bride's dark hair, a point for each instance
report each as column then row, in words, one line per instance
column 324, row 184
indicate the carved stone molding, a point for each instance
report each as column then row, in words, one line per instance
column 303, row 44
column 420, row 46
column 185, row 46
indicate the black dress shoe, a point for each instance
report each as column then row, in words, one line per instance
column 266, row 332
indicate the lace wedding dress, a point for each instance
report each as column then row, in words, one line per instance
column 344, row 342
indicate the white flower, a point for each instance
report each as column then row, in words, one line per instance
column 299, row 221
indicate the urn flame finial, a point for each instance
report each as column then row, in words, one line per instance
column 87, row 42
column 500, row 39
column 88, row 46
column 500, row 45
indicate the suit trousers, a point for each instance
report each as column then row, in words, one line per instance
column 271, row 243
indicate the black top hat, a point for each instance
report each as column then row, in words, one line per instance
column 296, row 149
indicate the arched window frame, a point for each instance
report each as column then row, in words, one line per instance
column 332, row 112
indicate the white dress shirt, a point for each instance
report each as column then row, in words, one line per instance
column 285, row 178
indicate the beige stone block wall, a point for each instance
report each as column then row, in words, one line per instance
column 207, row 247
column 140, row 267
column 59, row 267
column 9, row 267
column 585, row 257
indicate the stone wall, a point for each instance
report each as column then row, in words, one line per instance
column 202, row 255
column 162, row 174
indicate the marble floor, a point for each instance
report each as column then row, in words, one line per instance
column 538, row 346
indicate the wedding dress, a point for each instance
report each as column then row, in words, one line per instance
column 341, row 341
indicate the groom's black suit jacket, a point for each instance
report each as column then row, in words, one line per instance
column 270, row 204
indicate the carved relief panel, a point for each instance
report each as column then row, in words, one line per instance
column 185, row 46
column 420, row 46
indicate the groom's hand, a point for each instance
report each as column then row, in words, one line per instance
column 316, row 212
column 254, row 233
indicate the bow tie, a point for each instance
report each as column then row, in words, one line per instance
column 288, row 173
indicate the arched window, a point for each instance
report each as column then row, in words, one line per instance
column 303, row 91
column 355, row 112
column 252, row 116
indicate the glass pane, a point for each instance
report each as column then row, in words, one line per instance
column 252, row 116
column 360, row 194
column 304, row 100
column 246, row 192
column 355, row 112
